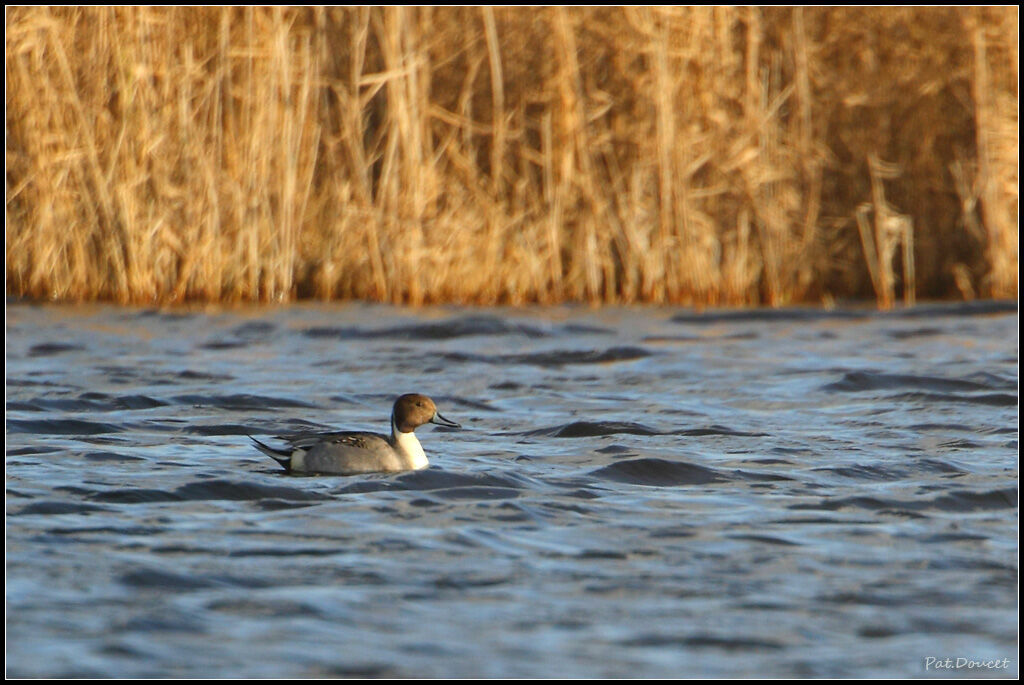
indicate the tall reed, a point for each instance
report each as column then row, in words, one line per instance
column 508, row 155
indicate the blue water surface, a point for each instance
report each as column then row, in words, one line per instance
column 636, row 492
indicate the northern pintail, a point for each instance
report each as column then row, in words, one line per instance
column 348, row 453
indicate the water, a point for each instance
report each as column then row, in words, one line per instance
column 635, row 493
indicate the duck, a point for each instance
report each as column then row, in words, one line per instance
column 349, row 452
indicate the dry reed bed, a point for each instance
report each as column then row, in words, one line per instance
column 721, row 155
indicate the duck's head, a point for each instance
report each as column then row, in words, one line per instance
column 413, row 410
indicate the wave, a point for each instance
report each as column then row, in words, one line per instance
column 556, row 358
column 457, row 327
column 858, row 381
column 61, row 427
column 657, row 472
column 50, row 349
column 955, row 501
column 792, row 314
column 206, row 490
column 587, row 429
column 241, row 402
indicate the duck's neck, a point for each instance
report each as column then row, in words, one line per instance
column 409, row 447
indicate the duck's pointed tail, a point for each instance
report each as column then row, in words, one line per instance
column 281, row 457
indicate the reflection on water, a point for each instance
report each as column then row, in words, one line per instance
column 636, row 493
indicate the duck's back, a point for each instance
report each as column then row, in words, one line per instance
column 345, row 453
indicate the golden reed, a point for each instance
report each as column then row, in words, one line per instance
column 722, row 155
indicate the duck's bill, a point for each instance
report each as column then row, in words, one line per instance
column 442, row 421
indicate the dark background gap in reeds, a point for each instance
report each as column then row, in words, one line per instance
column 706, row 155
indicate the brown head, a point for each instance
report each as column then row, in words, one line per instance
column 412, row 411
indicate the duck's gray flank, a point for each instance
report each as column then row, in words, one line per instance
column 348, row 453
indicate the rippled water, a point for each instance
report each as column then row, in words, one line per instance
column 635, row 493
